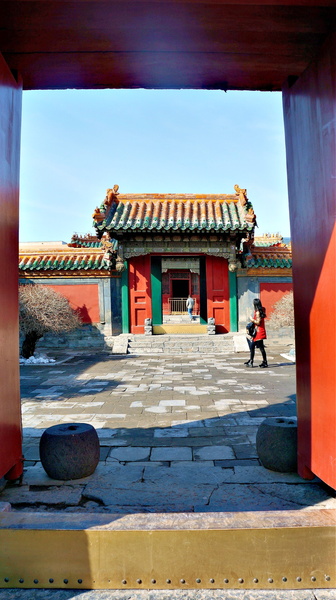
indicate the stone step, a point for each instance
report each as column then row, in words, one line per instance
column 177, row 344
column 213, row 338
column 172, row 348
column 191, row 350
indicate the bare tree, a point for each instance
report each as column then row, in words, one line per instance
column 283, row 313
column 41, row 310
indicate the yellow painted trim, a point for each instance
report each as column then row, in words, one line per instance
column 258, row 272
column 272, row 272
column 179, row 329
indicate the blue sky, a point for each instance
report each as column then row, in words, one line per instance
column 78, row 143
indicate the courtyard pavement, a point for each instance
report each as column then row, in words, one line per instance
column 177, row 434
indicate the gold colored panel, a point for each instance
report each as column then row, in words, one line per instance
column 263, row 558
column 179, row 329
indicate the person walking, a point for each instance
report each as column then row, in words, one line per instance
column 258, row 340
column 190, row 305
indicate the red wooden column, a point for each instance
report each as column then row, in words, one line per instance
column 139, row 292
column 310, row 127
column 218, row 296
column 10, row 412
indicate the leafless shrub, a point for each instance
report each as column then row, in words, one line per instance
column 41, row 310
column 283, row 313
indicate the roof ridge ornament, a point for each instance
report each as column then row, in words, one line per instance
column 250, row 215
column 111, row 197
column 242, row 194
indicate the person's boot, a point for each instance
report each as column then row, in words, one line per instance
column 264, row 364
column 249, row 364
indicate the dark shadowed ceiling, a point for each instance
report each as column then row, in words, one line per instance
column 247, row 45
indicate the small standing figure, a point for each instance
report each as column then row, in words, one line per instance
column 190, row 305
column 258, row 341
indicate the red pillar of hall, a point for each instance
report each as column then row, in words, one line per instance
column 10, row 413
column 310, row 128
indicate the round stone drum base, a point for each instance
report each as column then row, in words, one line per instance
column 69, row 451
column 277, row 444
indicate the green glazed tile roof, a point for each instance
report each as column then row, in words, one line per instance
column 71, row 257
column 89, row 241
column 174, row 213
column 69, row 261
column 270, row 263
column 277, row 256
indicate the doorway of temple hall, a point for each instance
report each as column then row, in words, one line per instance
column 180, row 277
column 150, row 282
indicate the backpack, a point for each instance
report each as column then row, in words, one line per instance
column 251, row 329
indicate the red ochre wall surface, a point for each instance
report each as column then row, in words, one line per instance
column 310, row 129
column 10, row 412
column 83, row 298
column 217, row 286
column 271, row 293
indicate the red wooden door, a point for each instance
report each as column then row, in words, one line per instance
column 139, row 292
column 217, row 285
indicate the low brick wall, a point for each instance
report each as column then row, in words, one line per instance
column 87, row 337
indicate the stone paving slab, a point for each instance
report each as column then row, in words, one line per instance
column 130, row 453
column 166, row 453
column 266, row 497
column 180, row 486
column 213, row 453
column 65, row 495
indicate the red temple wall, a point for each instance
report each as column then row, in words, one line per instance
column 310, row 129
column 10, row 411
column 271, row 293
column 84, row 298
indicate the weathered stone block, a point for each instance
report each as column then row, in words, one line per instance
column 69, row 451
column 277, row 444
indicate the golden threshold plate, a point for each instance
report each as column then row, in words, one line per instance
column 180, row 329
column 255, row 550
